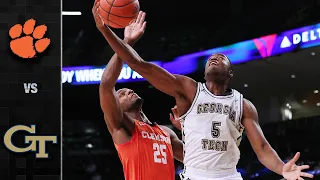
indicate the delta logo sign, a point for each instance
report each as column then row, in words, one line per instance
column 262, row 47
column 288, row 41
column 254, row 49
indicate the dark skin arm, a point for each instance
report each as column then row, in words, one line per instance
column 119, row 124
column 265, row 153
column 177, row 145
column 178, row 86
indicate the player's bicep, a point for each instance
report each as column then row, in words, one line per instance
column 111, row 109
column 253, row 130
column 254, row 134
column 160, row 78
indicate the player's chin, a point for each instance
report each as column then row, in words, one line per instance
column 140, row 100
column 137, row 101
column 212, row 69
column 215, row 70
column 212, row 72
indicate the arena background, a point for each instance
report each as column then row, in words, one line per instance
column 283, row 88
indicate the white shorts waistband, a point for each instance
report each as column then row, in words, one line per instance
column 209, row 173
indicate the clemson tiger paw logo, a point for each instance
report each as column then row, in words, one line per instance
column 32, row 42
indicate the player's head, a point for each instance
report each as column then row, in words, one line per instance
column 218, row 69
column 129, row 101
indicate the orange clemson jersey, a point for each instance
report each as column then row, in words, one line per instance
column 148, row 155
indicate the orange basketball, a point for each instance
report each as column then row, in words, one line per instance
column 118, row 13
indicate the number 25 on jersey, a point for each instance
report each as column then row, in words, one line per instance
column 159, row 155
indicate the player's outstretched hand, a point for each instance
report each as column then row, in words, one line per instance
column 174, row 118
column 99, row 23
column 291, row 171
column 135, row 30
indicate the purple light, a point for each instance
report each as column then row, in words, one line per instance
column 258, row 48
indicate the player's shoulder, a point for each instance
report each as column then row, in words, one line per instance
column 249, row 109
column 164, row 128
column 185, row 79
column 167, row 130
column 247, row 103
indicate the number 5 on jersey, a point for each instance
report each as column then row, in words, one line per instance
column 159, row 150
column 215, row 130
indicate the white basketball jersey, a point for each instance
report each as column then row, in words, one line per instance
column 212, row 130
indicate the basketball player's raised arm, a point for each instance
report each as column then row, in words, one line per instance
column 160, row 78
column 265, row 153
column 116, row 120
column 108, row 98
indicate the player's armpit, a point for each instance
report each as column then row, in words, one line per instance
column 265, row 153
column 177, row 145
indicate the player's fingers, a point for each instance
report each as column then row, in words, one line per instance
column 304, row 167
column 95, row 11
column 300, row 178
column 295, row 158
column 143, row 17
column 97, row 6
column 304, row 174
column 139, row 17
column 171, row 117
column 95, row 15
column 94, row 8
column 96, row 2
column 144, row 25
column 175, row 111
column 172, row 109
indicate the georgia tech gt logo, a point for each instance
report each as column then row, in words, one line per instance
column 40, row 149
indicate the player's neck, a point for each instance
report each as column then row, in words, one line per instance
column 135, row 115
column 217, row 89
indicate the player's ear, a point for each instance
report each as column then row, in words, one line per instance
column 230, row 73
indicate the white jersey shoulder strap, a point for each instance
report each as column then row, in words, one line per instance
column 199, row 88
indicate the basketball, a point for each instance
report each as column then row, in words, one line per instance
column 118, row 13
